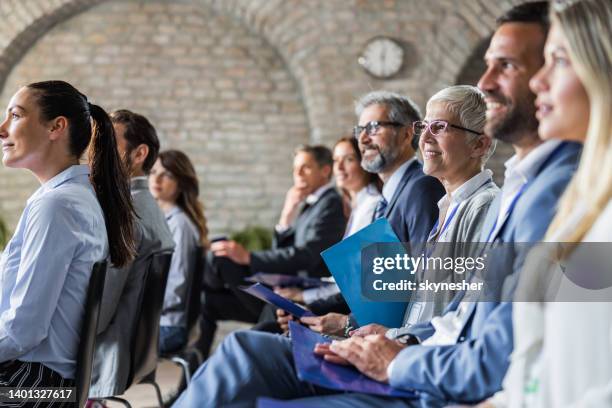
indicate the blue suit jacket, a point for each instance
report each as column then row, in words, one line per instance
column 413, row 210
column 473, row 369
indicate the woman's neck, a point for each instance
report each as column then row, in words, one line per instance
column 452, row 183
column 166, row 206
column 46, row 171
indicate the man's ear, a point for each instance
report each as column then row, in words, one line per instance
column 140, row 154
column 414, row 139
column 327, row 170
column 58, row 127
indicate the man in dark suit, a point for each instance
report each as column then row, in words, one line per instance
column 312, row 220
column 138, row 146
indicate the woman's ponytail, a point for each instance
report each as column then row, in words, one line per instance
column 110, row 182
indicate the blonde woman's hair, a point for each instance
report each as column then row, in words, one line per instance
column 587, row 26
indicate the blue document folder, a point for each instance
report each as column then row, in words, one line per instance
column 274, row 403
column 260, row 291
column 316, row 370
column 344, row 262
column 276, row 279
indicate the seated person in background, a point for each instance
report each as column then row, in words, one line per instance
column 80, row 215
column 362, row 192
column 138, row 147
column 174, row 184
column 312, row 220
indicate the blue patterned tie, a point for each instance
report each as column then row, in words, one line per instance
column 379, row 212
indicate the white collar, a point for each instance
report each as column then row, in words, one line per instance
column 391, row 185
column 314, row 197
column 468, row 188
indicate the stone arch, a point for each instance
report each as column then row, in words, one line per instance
column 300, row 32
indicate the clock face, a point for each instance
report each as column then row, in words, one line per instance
column 382, row 57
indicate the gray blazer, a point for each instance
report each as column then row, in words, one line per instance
column 122, row 292
column 460, row 238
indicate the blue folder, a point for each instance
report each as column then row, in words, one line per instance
column 344, row 262
column 274, row 403
column 276, row 279
column 260, row 291
column 314, row 369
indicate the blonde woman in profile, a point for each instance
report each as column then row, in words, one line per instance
column 563, row 350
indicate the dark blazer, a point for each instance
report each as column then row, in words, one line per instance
column 412, row 212
column 298, row 249
column 473, row 369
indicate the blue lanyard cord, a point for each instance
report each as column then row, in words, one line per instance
column 446, row 223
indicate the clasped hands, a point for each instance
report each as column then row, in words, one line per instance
column 367, row 348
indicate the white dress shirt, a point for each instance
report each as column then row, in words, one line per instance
column 45, row 271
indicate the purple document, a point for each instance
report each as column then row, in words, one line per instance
column 260, row 291
column 276, row 279
column 314, row 369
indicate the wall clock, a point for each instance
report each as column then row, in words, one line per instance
column 382, row 57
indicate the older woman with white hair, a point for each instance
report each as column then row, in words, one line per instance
column 455, row 150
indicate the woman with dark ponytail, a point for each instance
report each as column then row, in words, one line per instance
column 80, row 215
column 174, row 184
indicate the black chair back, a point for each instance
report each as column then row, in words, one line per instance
column 88, row 332
column 145, row 348
column 195, row 303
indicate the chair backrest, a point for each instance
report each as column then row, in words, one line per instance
column 145, row 348
column 88, row 332
column 195, row 303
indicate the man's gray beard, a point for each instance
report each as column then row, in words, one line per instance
column 375, row 165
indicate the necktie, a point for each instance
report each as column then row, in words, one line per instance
column 379, row 212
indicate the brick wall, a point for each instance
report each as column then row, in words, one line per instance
column 237, row 83
column 210, row 88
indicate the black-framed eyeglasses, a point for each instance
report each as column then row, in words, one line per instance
column 437, row 126
column 373, row 127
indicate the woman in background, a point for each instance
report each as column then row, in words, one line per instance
column 80, row 215
column 174, row 184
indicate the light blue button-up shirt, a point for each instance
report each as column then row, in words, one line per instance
column 45, row 271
